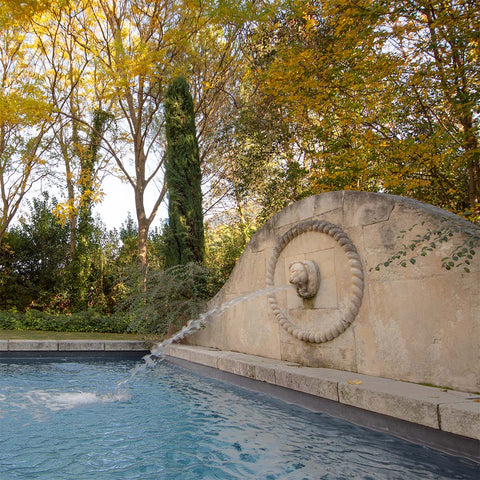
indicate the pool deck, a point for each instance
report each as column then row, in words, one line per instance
column 447, row 411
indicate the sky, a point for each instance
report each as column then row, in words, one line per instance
column 118, row 202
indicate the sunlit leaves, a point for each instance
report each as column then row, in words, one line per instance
column 380, row 95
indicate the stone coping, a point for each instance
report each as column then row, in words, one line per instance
column 72, row 345
column 441, row 409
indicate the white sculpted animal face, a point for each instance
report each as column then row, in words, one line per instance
column 305, row 276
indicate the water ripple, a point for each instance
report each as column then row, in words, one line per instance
column 68, row 421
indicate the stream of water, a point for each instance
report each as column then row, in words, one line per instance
column 157, row 351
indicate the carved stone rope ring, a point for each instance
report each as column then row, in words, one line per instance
column 354, row 299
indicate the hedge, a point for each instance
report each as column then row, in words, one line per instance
column 87, row 321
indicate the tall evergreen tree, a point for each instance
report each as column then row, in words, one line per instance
column 184, row 236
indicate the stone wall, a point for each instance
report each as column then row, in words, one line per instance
column 417, row 323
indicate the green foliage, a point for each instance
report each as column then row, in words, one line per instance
column 367, row 95
column 34, row 258
column 167, row 299
column 87, row 321
column 225, row 244
column 37, row 272
column 423, row 244
column 86, row 234
column 184, row 234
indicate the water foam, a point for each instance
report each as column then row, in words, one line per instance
column 56, row 401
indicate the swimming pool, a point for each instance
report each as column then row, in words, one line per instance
column 70, row 420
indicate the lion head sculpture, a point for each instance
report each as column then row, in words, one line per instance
column 305, row 275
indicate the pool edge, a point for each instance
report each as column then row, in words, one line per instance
column 82, row 349
column 444, row 420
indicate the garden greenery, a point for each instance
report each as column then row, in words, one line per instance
column 167, row 299
column 87, row 321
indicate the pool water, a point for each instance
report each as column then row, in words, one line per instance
column 71, row 420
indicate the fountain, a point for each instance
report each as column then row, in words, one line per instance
column 384, row 309
column 411, row 320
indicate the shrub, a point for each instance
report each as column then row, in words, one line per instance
column 167, row 299
column 87, row 321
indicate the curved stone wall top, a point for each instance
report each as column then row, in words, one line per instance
column 362, row 299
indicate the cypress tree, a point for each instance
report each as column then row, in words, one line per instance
column 184, row 234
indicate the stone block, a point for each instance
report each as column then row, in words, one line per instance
column 264, row 368
column 81, row 345
column 329, row 206
column 265, row 373
column 363, row 209
column 33, row 345
column 338, row 353
column 205, row 357
column 263, row 240
column 247, row 326
column 461, row 418
column 125, row 345
column 422, row 332
column 379, row 398
column 232, row 364
column 304, row 209
column 178, row 351
column 249, row 275
column 3, row 345
column 302, row 380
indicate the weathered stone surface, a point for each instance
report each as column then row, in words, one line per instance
column 366, row 209
column 32, row 345
column 307, row 381
column 229, row 363
column 407, row 401
column 295, row 213
column 329, row 207
column 338, row 353
column 182, row 352
column 81, row 345
column 416, row 323
column 265, row 373
column 3, row 345
column 462, row 418
column 120, row 345
column 426, row 334
column 210, row 359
